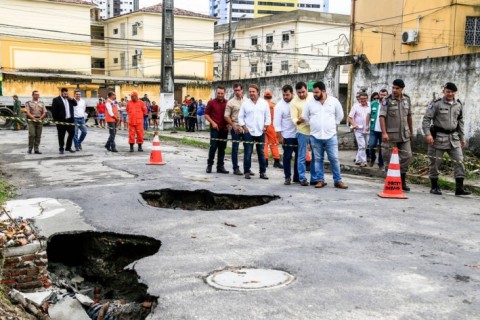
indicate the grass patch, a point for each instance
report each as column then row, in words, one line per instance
column 6, row 191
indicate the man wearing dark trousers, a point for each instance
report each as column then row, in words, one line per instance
column 62, row 111
column 214, row 113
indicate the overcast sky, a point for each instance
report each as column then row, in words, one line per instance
column 202, row 6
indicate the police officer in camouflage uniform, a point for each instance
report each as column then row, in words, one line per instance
column 443, row 129
column 397, row 130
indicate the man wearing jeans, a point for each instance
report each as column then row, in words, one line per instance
column 201, row 115
column 215, row 114
column 231, row 116
column 303, row 134
column 324, row 113
column 254, row 117
column 79, row 120
column 287, row 134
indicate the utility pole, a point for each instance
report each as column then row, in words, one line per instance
column 229, row 47
column 167, row 75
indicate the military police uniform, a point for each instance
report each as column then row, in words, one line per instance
column 396, row 111
column 444, row 122
column 36, row 109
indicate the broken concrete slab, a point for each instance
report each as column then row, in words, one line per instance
column 68, row 309
column 83, row 299
column 23, row 250
column 37, row 298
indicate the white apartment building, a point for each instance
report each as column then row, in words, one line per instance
column 286, row 43
column 113, row 8
column 247, row 9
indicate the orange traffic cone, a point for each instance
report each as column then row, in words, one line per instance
column 393, row 183
column 156, row 155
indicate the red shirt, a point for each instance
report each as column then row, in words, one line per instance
column 216, row 110
column 154, row 108
column 101, row 108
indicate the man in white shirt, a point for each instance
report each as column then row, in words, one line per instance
column 359, row 120
column 79, row 120
column 254, row 118
column 324, row 113
column 287, row 134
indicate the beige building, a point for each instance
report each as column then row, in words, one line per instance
column 133, row 43
column 285, row 43
column 410, row 30
column 64, row 43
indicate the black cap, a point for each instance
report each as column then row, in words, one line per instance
column 399, row 83
column 450, row 86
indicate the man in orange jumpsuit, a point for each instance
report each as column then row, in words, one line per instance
column 270, row 135
column 136, row 110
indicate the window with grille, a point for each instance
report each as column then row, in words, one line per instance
column 254, row 41
column 269, row 67
column 269, row 38
column 285, row 36
column 285, row 65
column 254, row 68
column 472, row 31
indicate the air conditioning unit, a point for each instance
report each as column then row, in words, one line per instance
column 138, row 52
column 409, row 36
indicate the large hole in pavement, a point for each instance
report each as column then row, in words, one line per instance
column 203, row 200
column 100, row 258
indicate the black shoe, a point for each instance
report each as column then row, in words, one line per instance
column 29, row 151
column 263, row 176
column 140, row 149
column 62, row 152
column 459, row 191
column 70, row 150
column 222, row 170
column 288, row 182
column 247, row 175
column 304, row 183
column 435, row 189
column 77, row 149
column 237, row 172
column 404, row 182
column 131, row 147
column 209, row 169
column 80, row 147
column 114, row 149
column 37, row 152
column 108, row 148
column 277, row 164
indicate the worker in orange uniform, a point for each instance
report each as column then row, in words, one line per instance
column 136, row 110
column 270, row 135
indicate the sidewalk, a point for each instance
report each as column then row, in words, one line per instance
column 346, row 155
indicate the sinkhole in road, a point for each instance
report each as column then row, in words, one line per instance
column 203, row 200
column 93, row 263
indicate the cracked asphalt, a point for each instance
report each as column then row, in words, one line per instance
column 353, row 254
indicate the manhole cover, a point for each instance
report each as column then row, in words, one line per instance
column 203, row 200
column 249, row 279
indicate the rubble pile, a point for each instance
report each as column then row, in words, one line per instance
column 23, row 256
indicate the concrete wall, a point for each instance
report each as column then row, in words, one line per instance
column 424, row 80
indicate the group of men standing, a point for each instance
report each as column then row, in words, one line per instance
column 69, row 114
column 298, row 122
column 442, row 125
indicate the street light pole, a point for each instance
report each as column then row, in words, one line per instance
column 229, row 45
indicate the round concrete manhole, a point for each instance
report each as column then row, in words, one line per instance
column 244, row 279
column 203, row 200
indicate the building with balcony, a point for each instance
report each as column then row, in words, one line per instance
column 291, row 42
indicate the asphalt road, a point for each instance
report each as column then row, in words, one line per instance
column 353, row 254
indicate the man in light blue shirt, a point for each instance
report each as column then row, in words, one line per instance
column 254, row 117
column 324, row 113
